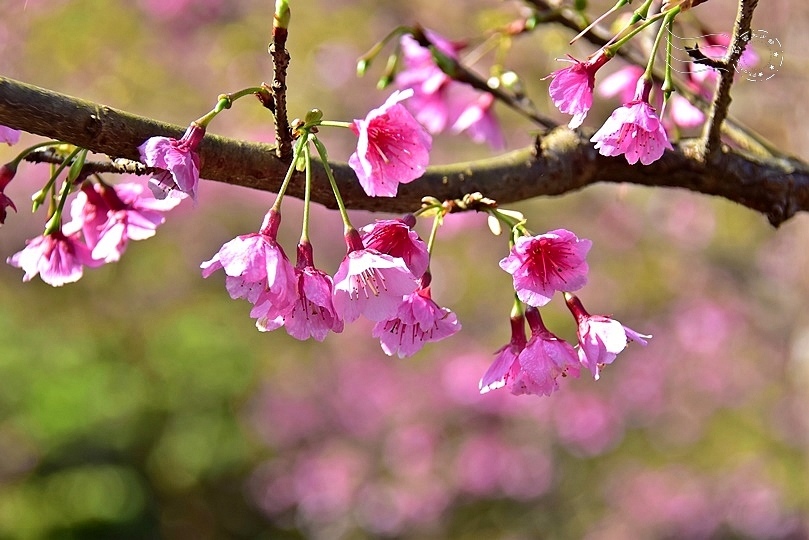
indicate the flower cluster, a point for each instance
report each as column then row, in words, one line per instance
column 383, row 277
column 542, row 265
column 103, row 220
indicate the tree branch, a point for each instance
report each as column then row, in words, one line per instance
column 565, row 161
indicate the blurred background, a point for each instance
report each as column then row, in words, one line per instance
column 141, row 402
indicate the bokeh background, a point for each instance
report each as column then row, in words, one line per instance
column 141, row 402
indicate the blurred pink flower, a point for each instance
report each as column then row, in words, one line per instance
column 179, row 158
column 258, row 270
column 9, row 136
column 111, row 216
column 7, row 173
column 370, row 283
column 56, row 257
column 600, row 338
column 633, row 130
column 396, row 237
column 477, row 119
column 546, row 263
column 313, row 314
column 683, row 113
column 393, row 148
column 622, row 83
column 505, row 366
column 572, row 87
column 543, row 360
column 419, row 320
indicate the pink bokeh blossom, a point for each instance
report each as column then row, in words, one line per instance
column 9, row 136
column 546, row 263
column 393, row 148
column 178, row 159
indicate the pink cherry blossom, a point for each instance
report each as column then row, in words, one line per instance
column 506, row 365
column 178, row 158
column 633, row 130
column 546, row 263
column 111, row 216
column 258, row 270
column 9, row 136
column 370, row 283
column 56, row 257
column 600, row 338
column 393, row 148
column 419, row 320
column 683, row 114
column 313, row 314
column 622, row 83
column 396, row 237
column 572, row 87
column 477, row 119
column 7, row 173
column 544, row 359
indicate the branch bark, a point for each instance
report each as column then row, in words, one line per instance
column 563, row 161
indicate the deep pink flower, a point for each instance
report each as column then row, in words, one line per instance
column 179, row 159
column 544, row 359
column 396, row 237
column 111, row 216
column 600, row 338
column 313, row 314
column 258, row 270
column 633, row 130
column 505, row 366
column 56, row 257
column 370, row 283
column 9, row 136
column 7, row 173
column 572, row 87
column 546, row 263
column 393, row 148
column 419, row 320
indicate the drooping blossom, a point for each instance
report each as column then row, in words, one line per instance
column 418, row 320
column 370, row 283
column 57, row 258
column 572, row 87
column 396, row 237
column 9, row 136
column 393, row 148
column 7, row 173
column 546, row 263
column 110, row 216
column 313, row 314
column 633, row 130
column 506, row 366
column 600, row 338
column 544, row 359
column 178, row 159
column 439, row 102
column 259, row 271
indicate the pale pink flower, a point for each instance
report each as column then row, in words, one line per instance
column 7, row 173
column 393, row 148
column 9, row 136
column 56, row 257
column 622, row 83
column 178, row 158
column 313, row 314
column 633, row 130
column 600, row 338
column 419, row 320
column 546, row 263
column 111, row 216
column 572, row 87
column 544, row 359
column 396, row 237
column 370, row 283
column 506, row 365
column 258, row 270
column 477, row 119
column 683, row 114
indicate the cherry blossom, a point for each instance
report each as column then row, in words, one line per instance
column 506, row 365
column 178, row 158
column 57, row 258
column 396, row 237
column 572, row 87
column 546, row 263
column 393, row 148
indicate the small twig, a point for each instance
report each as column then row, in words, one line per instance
column 280, row 60
column 116, row 166
column 718, row 111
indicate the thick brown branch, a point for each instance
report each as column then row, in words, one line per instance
column 566, row 161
